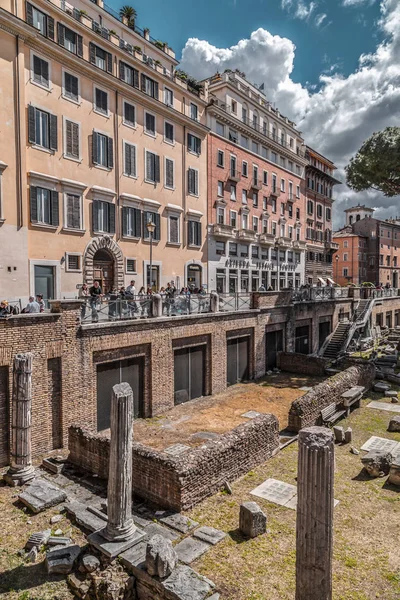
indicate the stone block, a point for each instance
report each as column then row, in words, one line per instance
column 391, row 394
column 161, row 558
column 377, row 462
column 348, row 435
column 54, row 464
column 84, row 517
column 134, row 557
column 90, row 563
column 111, row 549
column 156, row 529
column 252, row 520
column 394, row 424
column 57, row 541
column 381, row 387
column 190, row 549
column 179, row 522
column 209, row 535
column 394, row 473
column 38, row 539
column 338, row 430
column 62, row 560
column 41, row 494
column 186, row 584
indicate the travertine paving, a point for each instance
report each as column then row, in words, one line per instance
column 378, row 443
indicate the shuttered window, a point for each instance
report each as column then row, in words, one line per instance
column 193, row 143
column 152, row 167
column 42, row 128
column 173, row 233
column 131, row 265
column 129, row 114
column 194, row 233
column 73, row 218
column 169, row 132
column 72, row 139
column 40, row 21
column 70, row 40
column 73, row 262
column 155, row 218
column 101, row 101
column 44, row 206
column 128, row 74
column 99, row 57
column 149, row 123
column 129, row 160
column 40, row 71
column 193, row 181
column 149, row 86
column 131, row 222
column 103, row 217
column 102, row 150
column 71, row 87
column 169, row 173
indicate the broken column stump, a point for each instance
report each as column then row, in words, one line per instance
column 252, row 520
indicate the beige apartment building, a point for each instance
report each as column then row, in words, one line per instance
column 99, row 136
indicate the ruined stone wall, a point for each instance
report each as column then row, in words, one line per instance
column 182, row 482
column 306, row 411
column 294, row 362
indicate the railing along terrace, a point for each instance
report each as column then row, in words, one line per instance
column 316, row 294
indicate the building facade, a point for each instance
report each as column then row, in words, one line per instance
column 319, row 182
column 255, row 201
column 351, row 259
column 102, row 135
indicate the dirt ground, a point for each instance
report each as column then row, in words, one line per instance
column 221, row 413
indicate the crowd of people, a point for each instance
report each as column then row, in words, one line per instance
column 35, row 305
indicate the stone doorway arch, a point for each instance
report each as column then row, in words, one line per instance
column 104, row 242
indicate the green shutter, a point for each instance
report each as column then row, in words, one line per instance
column 138, row 222
column 79, row 45
column 110, row 153
column 95, row 215
column 33, row 203
column 31, row 124
column 95, row 148
column 61, row 34
column 125, row 212
column 111, row 217
column 53, row 132
column 54, row 208
column 157, row 231
column 50, row 28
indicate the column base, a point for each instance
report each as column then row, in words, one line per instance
column 17, row 478
column 112, row 548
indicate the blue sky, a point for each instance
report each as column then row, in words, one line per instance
column 345, row 33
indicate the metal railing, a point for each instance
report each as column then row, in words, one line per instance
column 316, row 294
column 235, row 301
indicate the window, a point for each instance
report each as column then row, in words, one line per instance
column 103, row 217
column 244, row 114
column 99, row 57
column 73, row 262
column 220, row 189
column 273, row 157
column 149, row 86
column 264, row 152
column 73, row 211
column 297, row 213
column 345, row 244
column 233, row 136
column 297, row 191
column 193, row 143
column 71, row 87
column 233, row 249
column 131, row 222
column 290, row 165
column 42, row 128
column 273, row 205
column 244, row 141
column 193, row 181
column 345, row 272
column 101, row 101
column 169, row 173
column 44, row 206
column 254, row 147
column 40, row 71
column 282, row 161
column 319, row 211
column 265, row 202
column 103, row 154
column 244, row 197
column 194, row 112
column 274, row 188
column 220, row 248
column 328, row 214
column 169, row 132
column 129, row 114
column 173, row 229
column 244, row 168
column 220, row 158
column 130, row 265
column 254, row 252
column 70, row 40
column 244, row 251
column 282, row 185
column 128, row 74
column 265, row 225
column 255, row 199
column 233, row 106
column 290, row 210
column 290, row 232
column 273, row 228
column 310, row 207
column 282, row 209
column 220, row 215
column 290, row 194
column 265, row 177
column 245, row 221
column 255, row 121
column 168, row 97
column 345, row 257
column 129, row 160
column 149, row 123
column 151, row 216
column 233, row 218
column 255, row 224
column 233, row 166
column 220, row 128
column 255, row 175
column 194, row 233
column 71, row 140
column 40, row 21
column 233, row 192
column 152, row 174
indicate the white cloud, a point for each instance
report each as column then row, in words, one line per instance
column 338, row 117
column 357, row 2
column 319, row 19
column 298, row 8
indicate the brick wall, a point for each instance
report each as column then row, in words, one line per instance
column 182, row 482
column 306, row 411
column 295, row 362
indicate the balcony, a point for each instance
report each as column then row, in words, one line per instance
column 234, row 175
column 291, row 197
column 266, row 239
column 275, row 192
column 256, row 184
column 332, row 246
column 284, row 242
column 247, row 235
column 220, row 230
column 299, row 244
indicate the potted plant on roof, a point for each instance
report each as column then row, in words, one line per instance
column 161, row 45
column 158, row 66
column 114, row 37
column 128, row 15
column 181, row 77
column 146, row 33
column 84, row 18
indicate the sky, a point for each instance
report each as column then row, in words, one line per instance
column 332, row 66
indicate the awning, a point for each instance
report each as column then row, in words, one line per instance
column 329, row 280
column 322, row 281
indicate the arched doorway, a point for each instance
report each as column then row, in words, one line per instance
column 103, row 270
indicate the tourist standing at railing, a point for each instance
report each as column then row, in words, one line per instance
column 40, row 301
column 4, row 310
column 130, row 294
column 84, row 295
column 96, row 294
column 202, row 298
column 142, row 295
column 32, row 306
column 169, row 293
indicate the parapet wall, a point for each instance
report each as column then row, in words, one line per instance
column 295, row 362
column 306, row 411
column 182, row 482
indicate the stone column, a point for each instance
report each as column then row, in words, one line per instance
column 214, row 302
column 21, row 469
column 156, row 307
column 314, row 527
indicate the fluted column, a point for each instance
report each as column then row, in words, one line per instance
column 120, row 525
column 314, row 527
column 21, row 470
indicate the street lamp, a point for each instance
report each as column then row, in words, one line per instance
column 150, row 226
column 337, row 267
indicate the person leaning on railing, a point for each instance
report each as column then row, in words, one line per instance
column 84, row 295
column 96, row 294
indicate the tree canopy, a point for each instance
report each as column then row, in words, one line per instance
column 377, row 164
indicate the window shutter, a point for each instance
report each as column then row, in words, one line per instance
column 198, row 241
column 74, row 86
column 109, row 62
column 169, row 174
column 31, row 123
column 125, row 212
column 157, row 231
column 45, row 72
column 68, row 136
column 190, row 233
column 61, row 34
column 146, row 217
column 53, row 132
column 95, row 150
column 198, row 145
column 129, row 112
column 136, row 78
column 128, row 159
column 157, row 168
column 50, row 28
column 143, row 82
column 149, row 166
column 138, row 222
column 133, row 161
column 95, row 215
column 110, row 153
column 173, row 230
column 75, row 140
column 33, row 198
column 190, row 179
column 196, row 182
column 79, row 45
column 111, row 217
column 92, row 53
column 29, row 13
column 54, row 208
column 155, row 90
column 76, row 212
column 121, row 70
